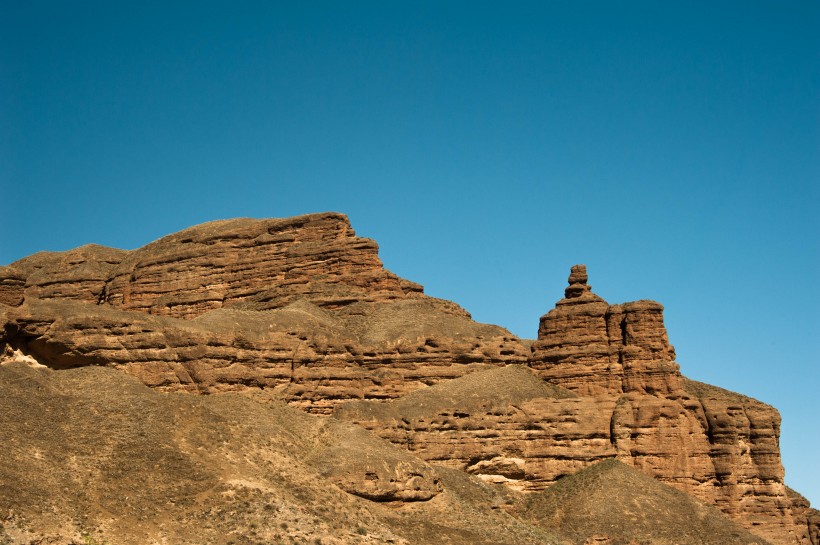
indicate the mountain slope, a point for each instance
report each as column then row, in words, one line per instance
column 610, row 500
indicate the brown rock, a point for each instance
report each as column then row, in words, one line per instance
column 804, row 515
column 610, row 502
column 270, row 263
column 588, row 346
column 363, row 466
column 266, row 263
column 90, row 455
column 506, row 427
column 314, row 358
column 303, row 310
column 12, row 286
column 79, row 274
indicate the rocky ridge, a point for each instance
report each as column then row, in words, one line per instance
column 302, row 310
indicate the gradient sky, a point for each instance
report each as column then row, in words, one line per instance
column 673, row 147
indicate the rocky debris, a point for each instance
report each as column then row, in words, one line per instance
column 594, row 348
column 610, row 502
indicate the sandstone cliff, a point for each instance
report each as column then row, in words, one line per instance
column 591, row 347
column 265, row 263
column 629, row 401
column 302, row 310
column 299, row 304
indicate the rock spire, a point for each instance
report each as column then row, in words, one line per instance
column 577, row 282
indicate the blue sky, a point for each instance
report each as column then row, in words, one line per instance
column 672, row 147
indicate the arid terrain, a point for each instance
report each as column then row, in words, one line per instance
column 268, row 381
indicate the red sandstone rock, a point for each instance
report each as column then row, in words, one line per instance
column 718, row 446
column 12, row 285
column 79, row 274
column 270, row 263
column 313, row 357
column 302, row 307
column 591, row 347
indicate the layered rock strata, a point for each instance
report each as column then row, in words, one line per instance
column 311, row 357
column 718, row 446
column 596, row 497
column 593, row 348
column 298, row 304
column 265, row 262
column 620, row 395
column 303, row 309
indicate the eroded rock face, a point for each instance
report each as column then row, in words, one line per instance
column 593, row 348
column 804, row 512
column 630, row 402
column 312, row 357
column 266, row 263
column 302, row 308
column 718, row 446
column 12, row 285
column 80, row 274
column 270, row 263
column 591, row 502
column 299, row 304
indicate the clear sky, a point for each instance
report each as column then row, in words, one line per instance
column 673, row 147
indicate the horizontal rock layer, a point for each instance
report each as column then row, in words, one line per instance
column 266, row 263
column 718, row 446
column 303, row 309
column 313, row 358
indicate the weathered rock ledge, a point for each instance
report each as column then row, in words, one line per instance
column 303, row 310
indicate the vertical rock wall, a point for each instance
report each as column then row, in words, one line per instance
column 593, row 348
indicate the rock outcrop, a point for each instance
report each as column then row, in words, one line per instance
column 313, row 358
column 266, row 263
column 718, row 446
column 621, row 395
column 298, row 304
column 302, row 310
column 591, row 347
column 90, row 455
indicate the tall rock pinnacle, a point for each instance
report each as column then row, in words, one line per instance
column 589, row 346
column 577, row 282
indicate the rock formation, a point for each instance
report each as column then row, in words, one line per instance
column 302, row 310
column 266, row 263
column 591, row 347
column 629, row 402
column 300, row 304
